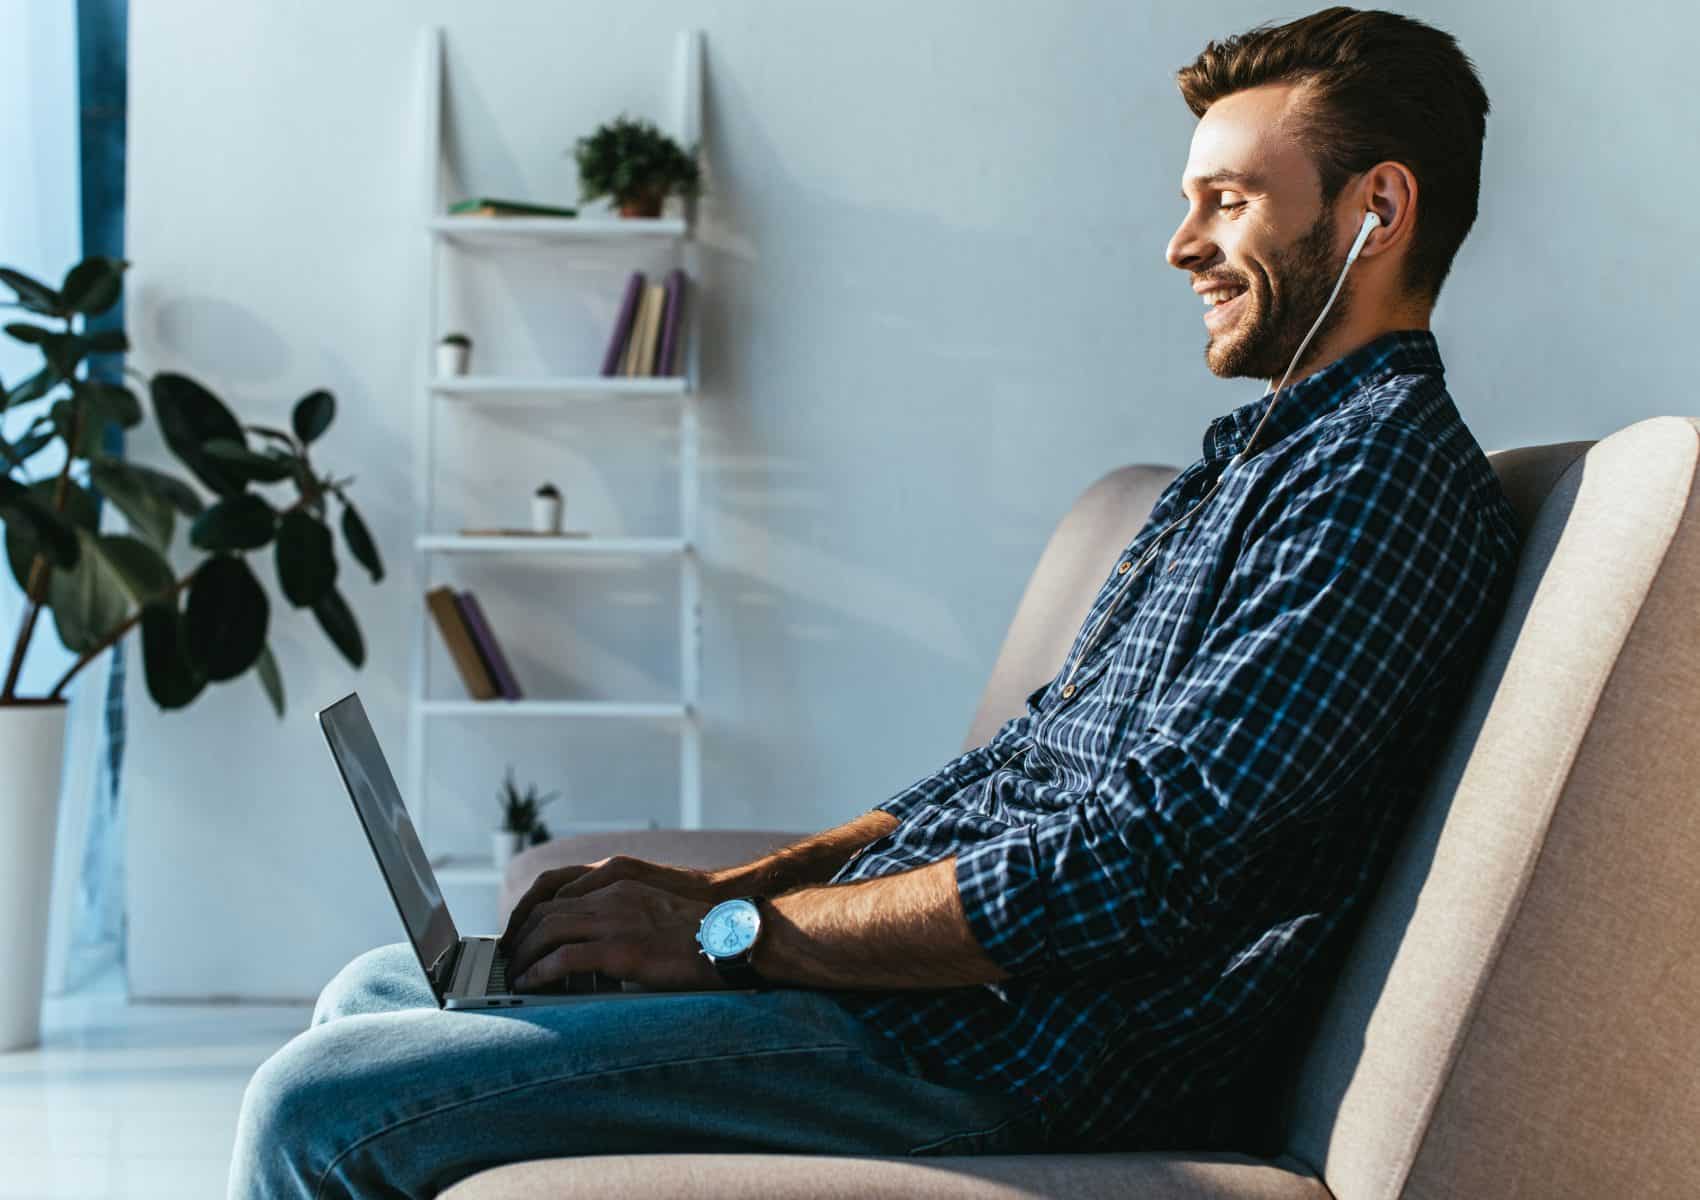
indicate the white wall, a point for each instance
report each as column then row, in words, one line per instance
column 936, row 310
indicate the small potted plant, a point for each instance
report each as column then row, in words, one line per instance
column 546, row 509
column 454, row 350
column 520, row 825
column 637, row 165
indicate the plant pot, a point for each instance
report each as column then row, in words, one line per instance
column 546, row 514
column 644, row 204
column 452, row 358
column 32, row 746
column 504, row 845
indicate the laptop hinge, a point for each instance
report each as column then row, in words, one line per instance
column 442, row 972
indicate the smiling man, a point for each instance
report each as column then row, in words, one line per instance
column 1096, row 929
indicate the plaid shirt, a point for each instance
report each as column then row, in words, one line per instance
column 1159, row 848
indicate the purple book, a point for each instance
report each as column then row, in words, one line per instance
column 473, row 615
column 622, row 326
column 670, row 322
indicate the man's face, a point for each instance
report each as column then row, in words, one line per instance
column 1262, row 231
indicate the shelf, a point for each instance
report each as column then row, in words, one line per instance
column 658, row 710
column 523, row 230
column 455, row 543
column 507, row 388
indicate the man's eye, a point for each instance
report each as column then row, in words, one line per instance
column 1236, row 204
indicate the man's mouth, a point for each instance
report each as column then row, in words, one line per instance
column 1223, row 305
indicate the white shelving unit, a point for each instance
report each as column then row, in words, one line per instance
column 556, row 236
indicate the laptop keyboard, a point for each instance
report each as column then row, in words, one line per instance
column 498, row 984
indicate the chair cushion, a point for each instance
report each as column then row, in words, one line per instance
column 1212, row 1176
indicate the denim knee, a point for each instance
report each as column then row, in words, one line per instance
column 378, row 980
column 284, row 1105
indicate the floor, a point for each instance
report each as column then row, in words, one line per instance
column 125, row 1100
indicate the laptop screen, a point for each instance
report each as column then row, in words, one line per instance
column 400, row 856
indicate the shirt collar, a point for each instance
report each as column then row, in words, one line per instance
column 1397, row 352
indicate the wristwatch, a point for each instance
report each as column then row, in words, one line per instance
column 727, row 937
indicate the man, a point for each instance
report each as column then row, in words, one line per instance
column 1085, row 933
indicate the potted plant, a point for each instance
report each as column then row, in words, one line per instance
column 546, row 509
column 207, row 625
column 453, row 352
column 520, row 824
column 636, row 164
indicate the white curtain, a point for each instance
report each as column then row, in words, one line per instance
column 40, row 201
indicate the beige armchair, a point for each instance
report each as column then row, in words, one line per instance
column 1519, row 1012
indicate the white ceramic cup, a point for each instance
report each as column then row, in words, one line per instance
column 452, row 358
column 546, row 514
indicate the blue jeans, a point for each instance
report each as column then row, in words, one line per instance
column 384, row 1094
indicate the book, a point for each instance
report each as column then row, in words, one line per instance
column 446, row 613
column 645, row 365
column 670, row 322
column 634, row 343
column 635, row 334
column 489, row 649
column 622, row 324
column 487, row 206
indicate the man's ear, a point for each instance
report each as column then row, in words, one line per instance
column 1389, row 190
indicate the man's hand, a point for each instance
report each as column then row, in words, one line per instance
column 566, row 883
column 632, row 931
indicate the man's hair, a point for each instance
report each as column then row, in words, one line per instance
column 1379, row 86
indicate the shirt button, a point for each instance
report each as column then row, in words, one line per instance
column 1124, row 568
column 1068, row 690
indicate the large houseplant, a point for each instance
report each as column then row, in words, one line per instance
column 209, row 625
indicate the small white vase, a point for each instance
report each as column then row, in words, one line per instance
column 504, row 845
column 546, row 514
column 32, row 747
column 452, row 358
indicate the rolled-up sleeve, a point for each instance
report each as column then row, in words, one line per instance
column 1355, row 585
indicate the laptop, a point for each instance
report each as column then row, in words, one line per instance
column 464, row 972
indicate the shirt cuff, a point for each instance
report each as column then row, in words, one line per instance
column 1004, row 899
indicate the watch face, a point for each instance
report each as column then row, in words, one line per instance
column 730, row 929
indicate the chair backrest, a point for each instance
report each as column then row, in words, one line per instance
column 1518, row 1012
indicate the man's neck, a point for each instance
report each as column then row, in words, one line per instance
column 1342, row 341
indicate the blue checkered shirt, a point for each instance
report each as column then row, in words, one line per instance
column 1160, row 847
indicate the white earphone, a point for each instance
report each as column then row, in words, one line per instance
column 1370, row 223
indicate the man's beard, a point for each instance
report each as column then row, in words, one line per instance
column 1263, row 341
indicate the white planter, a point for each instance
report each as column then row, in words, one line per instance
column 546, row 514
column 504, row 845
column 452, row 358
column 32, row 752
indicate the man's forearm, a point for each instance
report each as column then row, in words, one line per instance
column 897, row 931
column 813, row 860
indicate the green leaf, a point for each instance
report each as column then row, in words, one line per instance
column 306, row 565
column 88, row 600
column 33, row 294
column 145, row 572
column 32, row 526
column 35, row 387
column 360, row 542
column 189, row 416
column 270, row 679
column 337, row 620
column 34, row 335
column 63, row 415
column 173, row 678
column 108, row 402
column 149, row 513
column 240, row 522
column 312, row 415
column 169, row 488
column 226, row 616
column 260, row 468
column 93, row 285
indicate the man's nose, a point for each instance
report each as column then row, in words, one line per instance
column 1188, row 250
